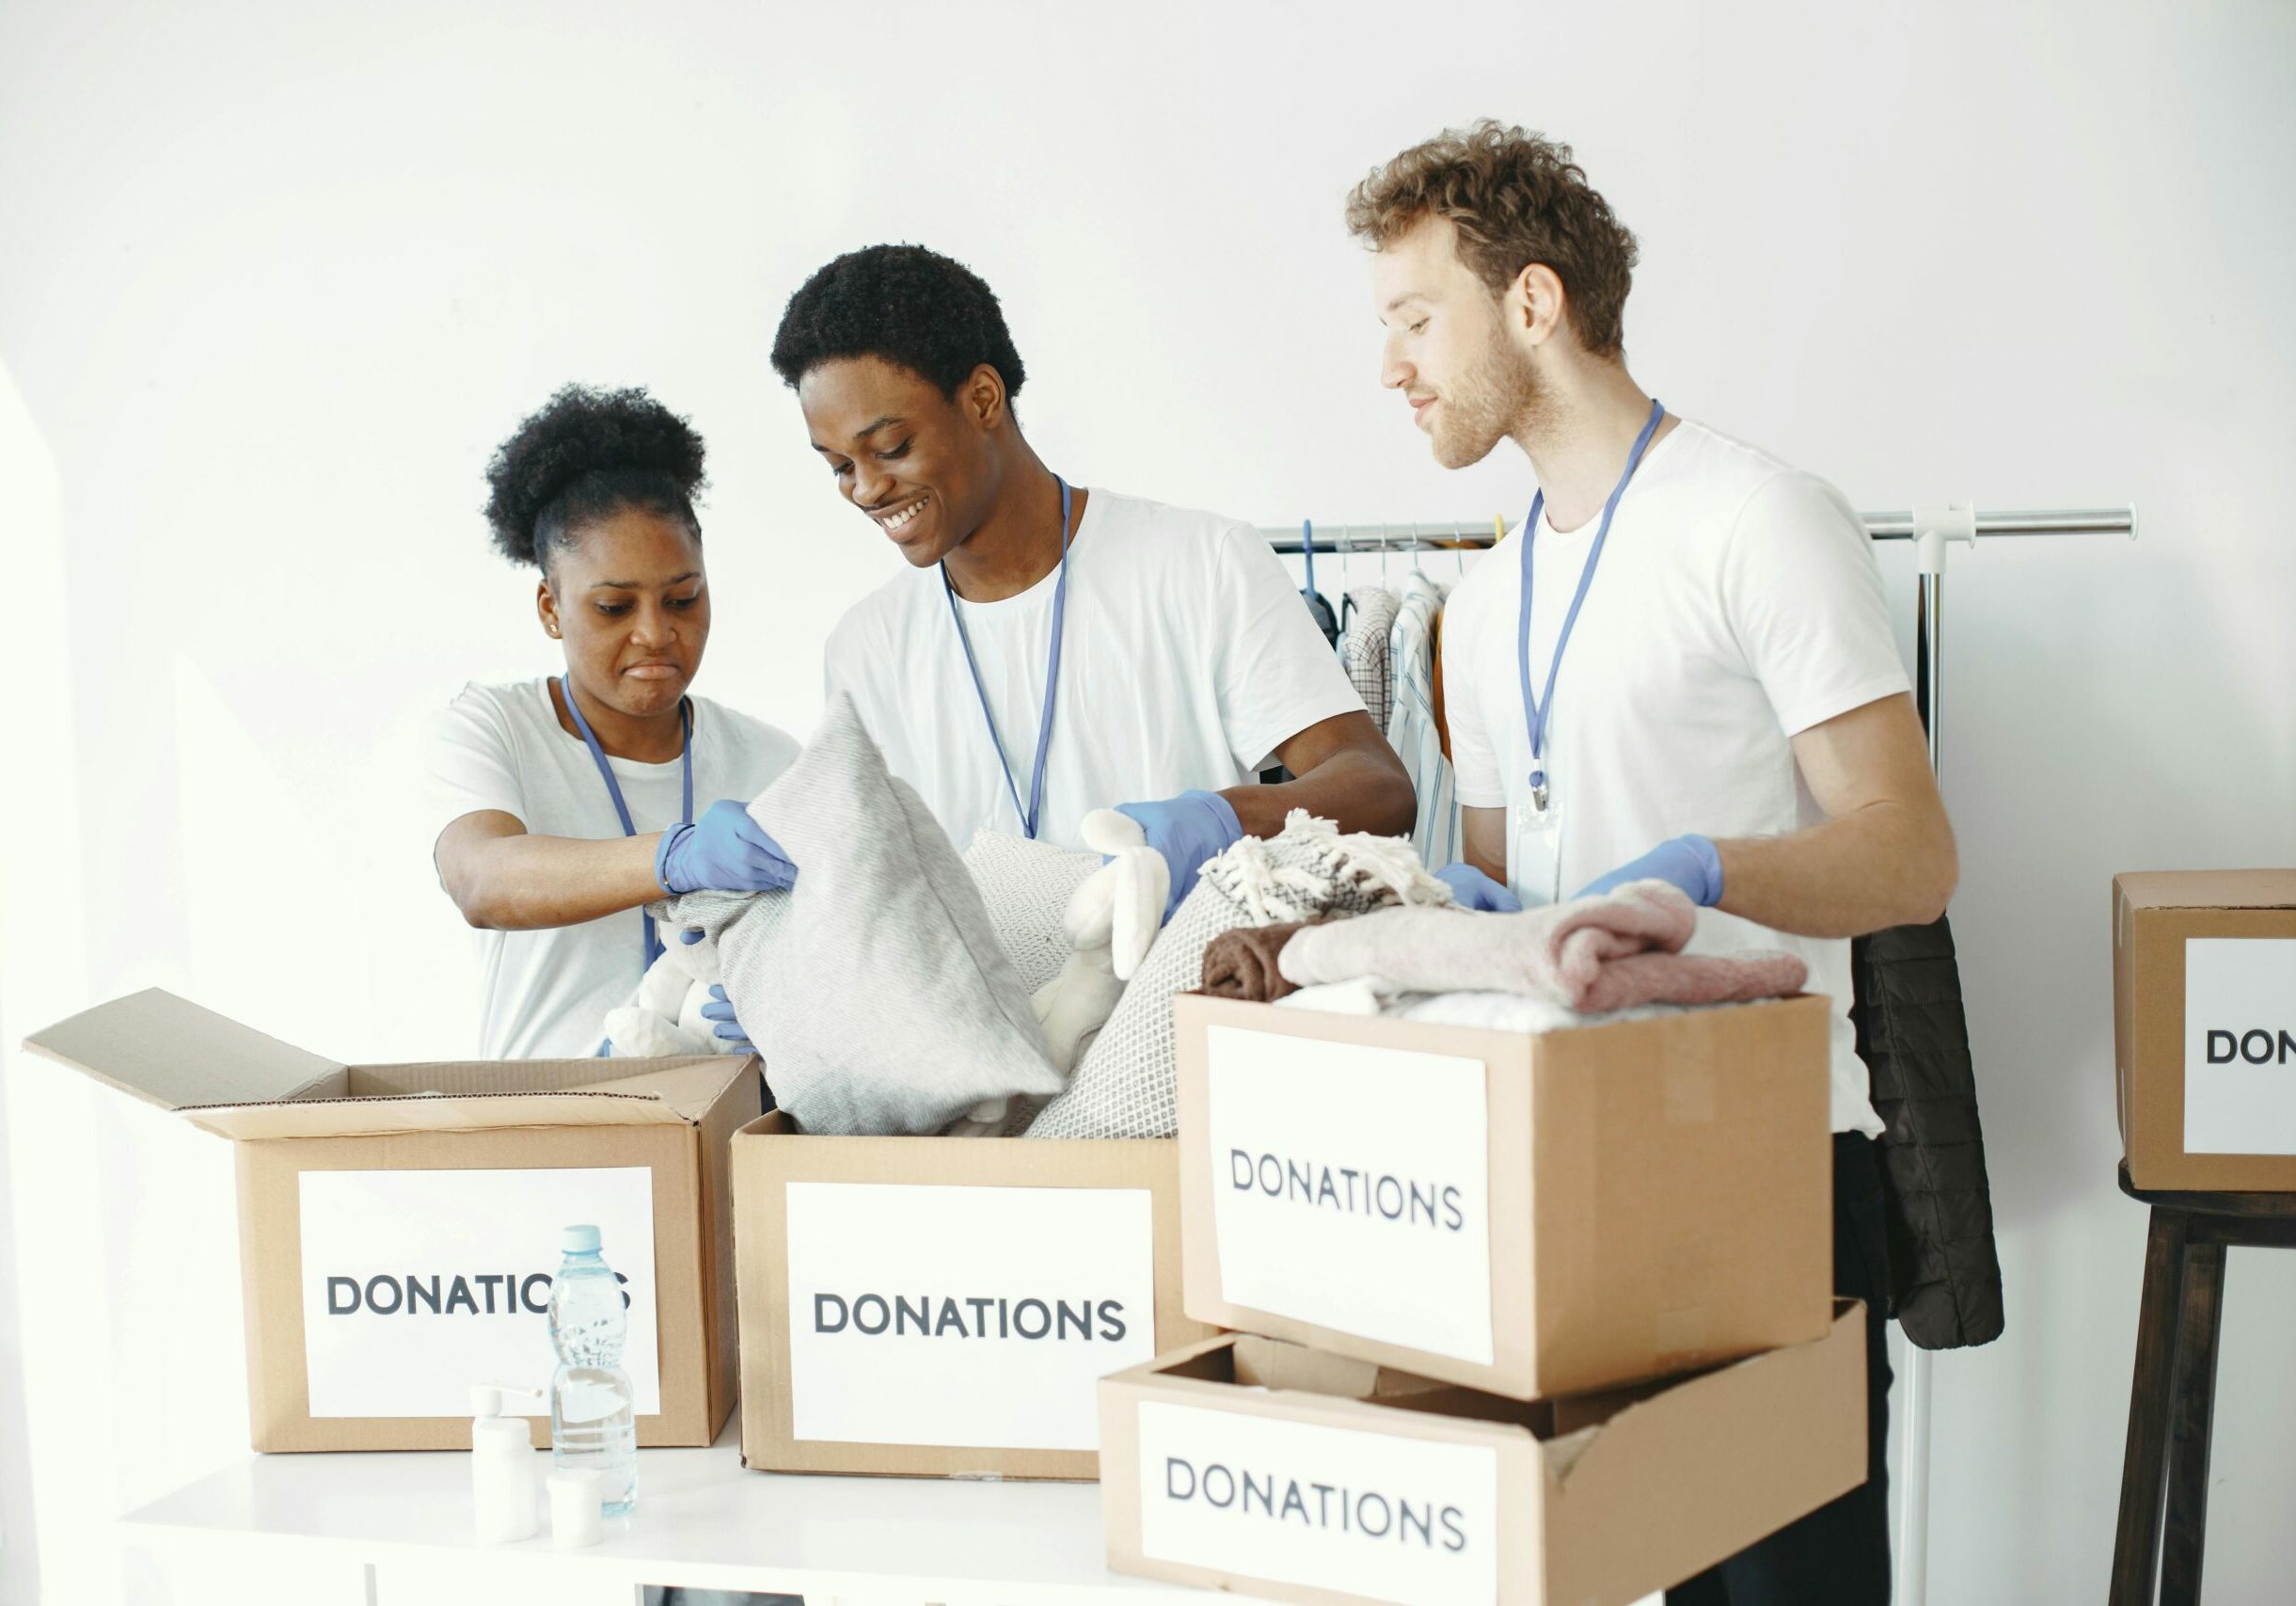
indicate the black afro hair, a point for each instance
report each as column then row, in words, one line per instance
column 929, row 314
column 585, row 454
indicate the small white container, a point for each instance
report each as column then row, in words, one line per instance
column 578, row 1507
column 503, row 1467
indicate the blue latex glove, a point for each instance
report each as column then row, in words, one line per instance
column 1189, row 831
column 1690, row 863
column 724, row 851
column 1475, row 890
column 727, row 1030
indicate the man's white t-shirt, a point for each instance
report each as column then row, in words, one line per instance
column 1187, row 660
column 1737, row 604
column 500, row 747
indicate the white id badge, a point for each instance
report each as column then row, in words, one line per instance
column 1534, row 859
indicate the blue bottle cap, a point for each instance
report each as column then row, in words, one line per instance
column 578, row 1240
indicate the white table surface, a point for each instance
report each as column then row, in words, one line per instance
column 702, row 1520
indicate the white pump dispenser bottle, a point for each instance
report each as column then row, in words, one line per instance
column 505, row 1471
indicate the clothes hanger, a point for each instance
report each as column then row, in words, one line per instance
column 1318, row 608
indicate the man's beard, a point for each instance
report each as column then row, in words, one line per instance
column 1488, row 403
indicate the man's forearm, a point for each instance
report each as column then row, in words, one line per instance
column 1360, row 790
column 1482, row 841
column 1881, row 866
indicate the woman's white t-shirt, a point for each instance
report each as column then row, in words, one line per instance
column 501, row 748
column 1187, row 658
column 1737, row 604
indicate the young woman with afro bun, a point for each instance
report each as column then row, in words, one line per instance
column 569, row 801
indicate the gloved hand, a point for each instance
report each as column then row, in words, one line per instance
column 727, row 1030
column 1691, row 862
column 1189, row 831
column 1472, row 889
column 724, row 851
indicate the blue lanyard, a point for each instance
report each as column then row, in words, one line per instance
column 1029, row 815
column 652, row 948
column 1538, row 711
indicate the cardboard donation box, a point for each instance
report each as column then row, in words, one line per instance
column 399, row 1224
column 944, row 1307
column 1523, row 1215
column 1251, row 1464
column 2203, row 1027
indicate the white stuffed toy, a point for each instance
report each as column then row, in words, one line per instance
column 666, row 1018
column 1111, row 922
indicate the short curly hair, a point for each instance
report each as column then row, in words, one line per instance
column 583, row 455
column 911, row 307
column 1516, row 197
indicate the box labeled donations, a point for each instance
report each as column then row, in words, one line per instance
column 1523, row 1215
column 399, row 1224
column 945, row 1306
column 1250, row 1464
column 2204, row 1019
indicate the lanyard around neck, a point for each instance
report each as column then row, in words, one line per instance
column 1539, row 711
column 1031, row 816
column 651, row 945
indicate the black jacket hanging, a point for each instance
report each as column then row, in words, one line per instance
column 1319, row 609
column 1914, row 1039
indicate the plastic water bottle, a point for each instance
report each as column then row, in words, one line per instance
column 593, row 1419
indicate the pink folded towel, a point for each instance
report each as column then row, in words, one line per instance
column 1592, row 954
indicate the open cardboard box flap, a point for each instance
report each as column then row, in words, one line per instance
column 2208, row 889
column 236, row 1082
column 169, row 1052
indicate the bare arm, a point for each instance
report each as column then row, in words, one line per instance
column 1483, row 840
column 1884, row 856
column 504, row 880
column 1343, row 770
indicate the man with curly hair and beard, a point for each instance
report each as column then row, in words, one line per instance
column 1681, row 668
column 1053, row 650
column 568, row 802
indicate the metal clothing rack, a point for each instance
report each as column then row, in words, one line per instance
column 1408, row 537
column 1417, row 536
column 1931, row 530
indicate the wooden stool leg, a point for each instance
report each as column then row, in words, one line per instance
column 2136, row 1542
column 2191, row 1412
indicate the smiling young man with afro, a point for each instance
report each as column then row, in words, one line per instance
column 1026, row 669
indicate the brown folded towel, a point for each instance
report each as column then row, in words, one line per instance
column 1241, row 964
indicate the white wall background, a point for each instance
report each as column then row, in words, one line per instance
column 273, row 279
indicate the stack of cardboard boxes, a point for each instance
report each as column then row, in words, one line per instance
column 1536, row 1319
column 1406, row 1312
